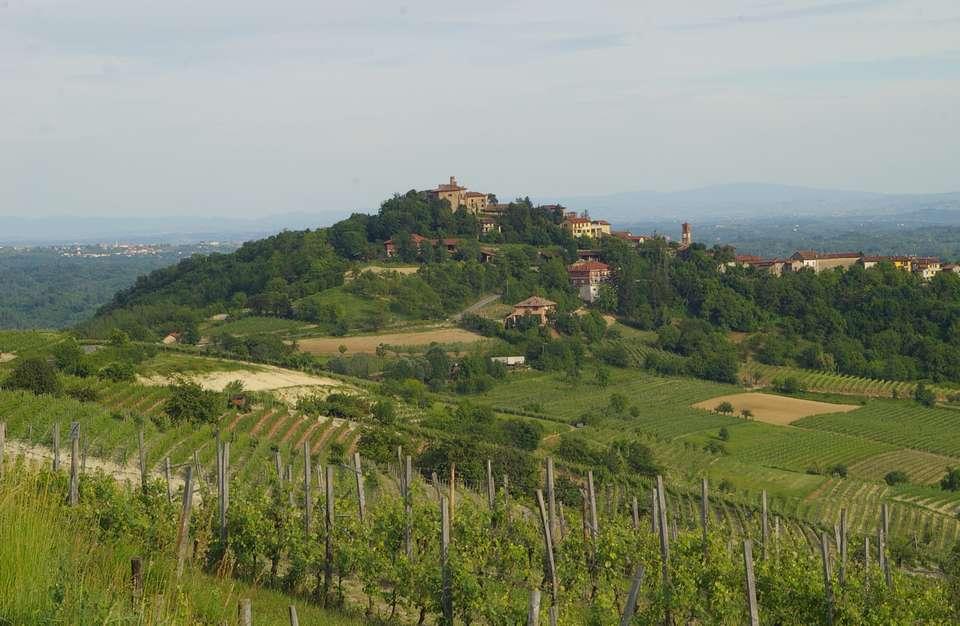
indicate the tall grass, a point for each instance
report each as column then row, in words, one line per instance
column 57, row 566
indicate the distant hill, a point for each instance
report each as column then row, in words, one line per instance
column 747, row 200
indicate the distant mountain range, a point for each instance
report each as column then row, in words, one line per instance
column 719, row 204
column 757, row 200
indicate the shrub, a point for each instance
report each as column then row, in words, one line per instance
column 788, row 384
column 924, row 395
column 189, row 401
column 746, row 414
column 839, row 470
column 724, row 434
column 117, row 371
column 714, row 447
column 35, row 375
column 83, row 393
column 895, row 477
column 726, row 486
column 951, row 480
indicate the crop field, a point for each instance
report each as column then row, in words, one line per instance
column 831, row 383
column 663, row 403
column 901, row 423
column 922, row 468
column 774, row 409
column 253, row 325
column 368, row 343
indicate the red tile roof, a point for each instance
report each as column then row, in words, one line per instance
column 535, row 302
column 588, row 266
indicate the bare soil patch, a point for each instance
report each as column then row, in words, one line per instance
column 368, row 343
column 6, row 357
column 773, row 409
column 265, row 378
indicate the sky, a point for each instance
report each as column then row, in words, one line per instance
column 247, row 109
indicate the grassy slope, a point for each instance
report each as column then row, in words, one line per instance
column 56, row 570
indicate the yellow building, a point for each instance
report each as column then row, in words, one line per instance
column 458, row 196
column 582, row 226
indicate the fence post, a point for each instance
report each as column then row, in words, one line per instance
column 446, row 598
column 654, row 512
column 74, row 463
column 506, row 498
column 551, row 497
column 245, row 612
column 751, row 583
column 294, row 621
column 183, row 528
column 166, row 475
column 635, row 512
column 881, row 550
column 827, row 583
column 866, row 553
column 533, row 608
column 278, row 465
column 631, row 605
column 887, row 576
column 307, row 484
column 548, row 545
column 885, row 512
column 136, row 579
column 361, row 497
column 56, row 446
column 329, row 519
column 664, row 545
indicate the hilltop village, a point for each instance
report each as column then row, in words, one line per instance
column 588, row 273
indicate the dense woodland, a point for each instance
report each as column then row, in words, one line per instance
column 878, row 322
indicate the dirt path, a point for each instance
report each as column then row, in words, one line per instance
column 476, row 306
column 120, row 473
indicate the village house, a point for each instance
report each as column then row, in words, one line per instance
column 458, row 196
column 583, row 226
column 926, row 267
column 636, row 240
column 534, row 305
column 587, row 276
column 390, row 247
column 899, row 262
column 588, row 255
column 820, row 261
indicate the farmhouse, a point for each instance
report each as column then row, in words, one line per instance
column 587, row 276
column 534, row 305
column 458, row 196
column 636, row 240
column 819, row 261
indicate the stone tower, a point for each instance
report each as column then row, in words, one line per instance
column 686, row 237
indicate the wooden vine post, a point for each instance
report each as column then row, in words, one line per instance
column 551, row 497
column 328, row 524
column 142, row 453
column 74, row 463
column 843, row 547
column 307, row 501
column 56, row 446
column 3, row 437
column 635, row 513
column 827, row 583
column 166, row 475
column 136, row 580
column 453, row 491
column 751, row 584
column 764, row 524
column 245, row 612
column 664, row 546
column 704, row 514
column 491, row 495
column 533, row 608
column 408, row 507
column 506, row 498
column 223, row 500
column 446, row 591
column 654, row 512
column 294, row 620
column 631, row 604
column 361, row 497
column 183, row 528
column 592, row 494
column 550, row 563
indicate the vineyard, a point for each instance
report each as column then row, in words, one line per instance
column 400, row 547
column 760, row 375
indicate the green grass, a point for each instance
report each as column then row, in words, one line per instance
column 900, row 423
column 169, row 363
column 663, row 403
column 253, row 325
column 28, row 342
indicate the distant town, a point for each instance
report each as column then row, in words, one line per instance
column 120, row 249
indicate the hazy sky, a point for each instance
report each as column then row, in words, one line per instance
column 220, row 107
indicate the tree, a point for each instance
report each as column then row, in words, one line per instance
column 603, row 377
column 895, row 477
column 385, row 412
column 618, row 403
column 746, row 414
column 725, row 408
column 119, row 338
column 342, row 349
column 35, row 375
column 951, row 480
column 189, row 401
column 117, row 371
column 924, row 395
